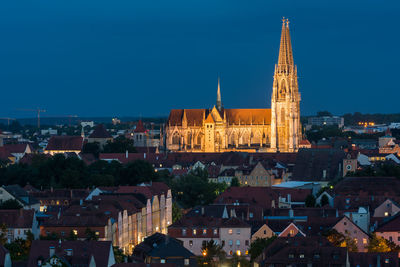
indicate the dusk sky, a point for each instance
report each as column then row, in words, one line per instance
column 143, row 58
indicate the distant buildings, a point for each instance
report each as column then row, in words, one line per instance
column 326, row 121
column 64, row 144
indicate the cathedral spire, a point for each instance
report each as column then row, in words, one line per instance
column 285, row 59
column 219, row 101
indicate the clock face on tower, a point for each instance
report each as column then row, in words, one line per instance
column 348, row 167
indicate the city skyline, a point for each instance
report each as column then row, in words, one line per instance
column 142, row 59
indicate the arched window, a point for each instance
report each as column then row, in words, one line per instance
column 175, row 139
column 282, row 91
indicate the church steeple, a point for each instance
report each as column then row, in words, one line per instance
column 285, row 101
column 285, row 59
column 219, row 101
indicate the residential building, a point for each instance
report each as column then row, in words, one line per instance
column 233, row 233
column 163, row 249
column 71, row 253
column 261, row 174
column 16, row 192
column 347, row 227
column 302, row 251
column 390, row 229
column 388, row 208
column 19, row 223
column 326, row 121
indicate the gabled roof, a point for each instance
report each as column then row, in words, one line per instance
column 17, row 148
column 392, row 225
column 17, row 218
column 100, row 132
column 65, row 143
column 82, row 251
column 163, row 246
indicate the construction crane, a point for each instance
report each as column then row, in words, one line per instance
column 38, row 111
column 8, row 120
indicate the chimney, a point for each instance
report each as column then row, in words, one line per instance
column 126, row 154
column 202, row 211
column 52, row 250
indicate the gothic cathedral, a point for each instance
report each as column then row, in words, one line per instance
column 266, row 130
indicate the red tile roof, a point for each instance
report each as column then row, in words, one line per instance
column 100, row 132
column 17, row 218
column 74, row 143
column 17, row 148
column 139, row 127
column 392, row 225
column 82, row 251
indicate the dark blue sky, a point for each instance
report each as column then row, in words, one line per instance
column 133, row 57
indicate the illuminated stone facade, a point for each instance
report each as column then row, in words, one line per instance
column 220, row 129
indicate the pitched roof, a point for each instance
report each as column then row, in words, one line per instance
column 65, row 143
column 163, row 246
column 139, row 127
column 248, row 116
column 17, row 148
column 372, row 186
column 17, row 218
column 281, row 249
column 372, row 259
column 100, row 132
column 82, row 251
column 317, row 164
column 392, row 225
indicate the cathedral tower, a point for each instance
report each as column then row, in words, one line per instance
column 219, row 101
column 285, row 100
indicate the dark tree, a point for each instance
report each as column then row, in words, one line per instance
column 92, row 148
column 119, row 145
column 324, row 200
column 235, row 182
column 310, row 201
column 258, row 245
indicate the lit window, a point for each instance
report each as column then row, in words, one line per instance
column 186, row 262
column 291, row 256
column 75, row 232
column 251, row 215
column 97, row 233
column 184, row 231
column 204, row 231
column 291, row 232
column 387, row 261
column 230, row 231
column 230, row 242
column 194, row 231
column 364, row 241
column 238, row 252
column 238, row 231
column 190, row 242
column 215, row 231
column 301, row 256
column 162, row 261
column 237, row 242
column 386, row 214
